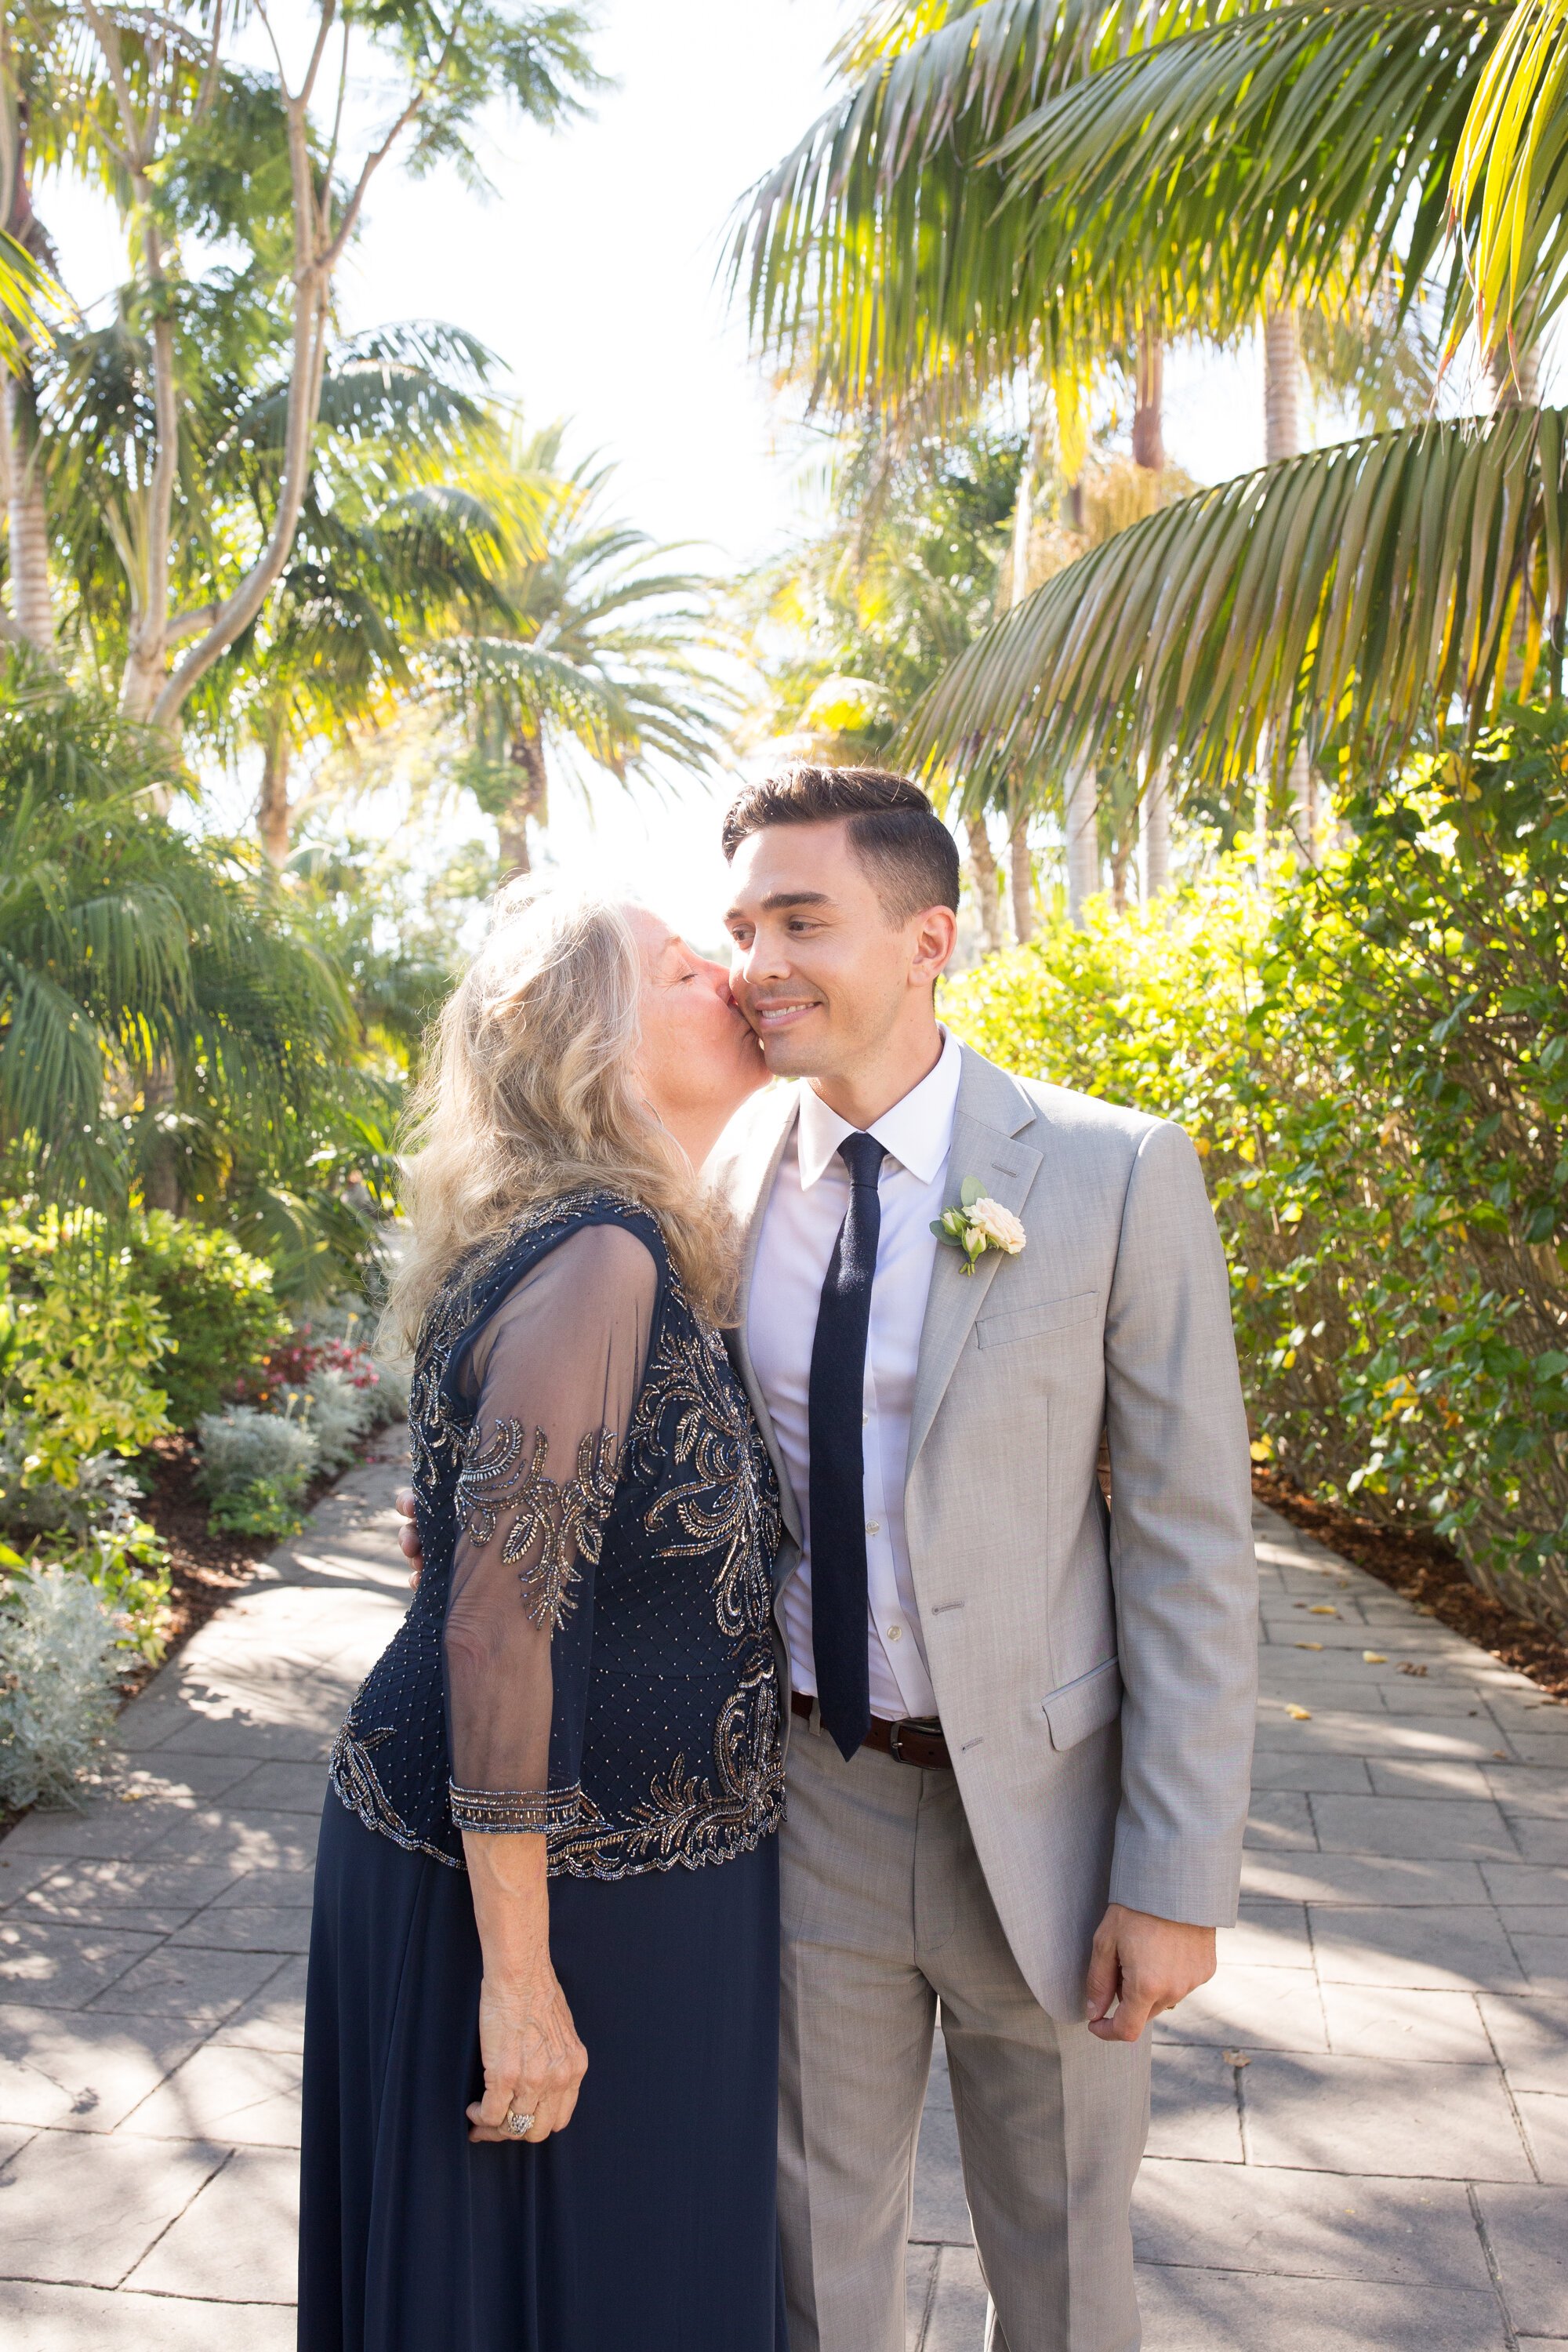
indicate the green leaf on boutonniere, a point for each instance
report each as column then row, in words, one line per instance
column 971, row 1191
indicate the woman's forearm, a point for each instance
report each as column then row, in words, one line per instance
column 533, row 2059
column 511, row 1885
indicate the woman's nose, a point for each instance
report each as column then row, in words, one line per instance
column 717, row 975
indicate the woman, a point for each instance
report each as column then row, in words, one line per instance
column 547, row 1893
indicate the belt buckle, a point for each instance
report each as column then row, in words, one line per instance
column 895, row 1743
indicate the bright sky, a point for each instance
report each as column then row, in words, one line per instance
column 592, row 273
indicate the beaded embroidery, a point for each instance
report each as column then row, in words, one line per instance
column 532, row 1811
column 692, row 1483
column 562, row 1520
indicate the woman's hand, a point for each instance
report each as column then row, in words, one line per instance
column 533, row 2061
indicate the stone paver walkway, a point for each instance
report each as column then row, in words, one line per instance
column 1361, row 2133
column 1361, row 2126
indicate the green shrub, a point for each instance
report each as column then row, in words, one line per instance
column 1375, row 1068
column 219, row 1303
column 255, row 1467
column 128, row 1568
column 259, row 1507
column 81, row 1348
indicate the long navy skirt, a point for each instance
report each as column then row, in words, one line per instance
column 647, row 2225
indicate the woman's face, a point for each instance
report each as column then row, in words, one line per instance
column 699, row 1060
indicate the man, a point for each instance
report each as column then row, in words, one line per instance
column 1022, row 1726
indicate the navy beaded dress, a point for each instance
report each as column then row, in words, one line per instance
column 589, row 1656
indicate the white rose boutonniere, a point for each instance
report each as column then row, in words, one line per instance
column 979, row 1223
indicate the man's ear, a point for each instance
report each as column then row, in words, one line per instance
column 936, row 936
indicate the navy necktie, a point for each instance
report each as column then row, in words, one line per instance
column 835, row 1416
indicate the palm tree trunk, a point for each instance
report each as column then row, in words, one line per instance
column 21, row 455
column 1081, row 819
column 1284, row 436
column 32, row 599
column 531, row 798
column 1149, row 452
column 1282, row 432
column 161, row 1169
column 1149, row 414
column 985, row 883
column 1154, row 835
column 1122, row 849
column 1021, row 879
column 274, row 818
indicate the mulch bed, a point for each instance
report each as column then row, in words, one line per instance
column 1427, row 1571
column 205, row 1569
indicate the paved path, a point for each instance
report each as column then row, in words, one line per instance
column 1361, row 2133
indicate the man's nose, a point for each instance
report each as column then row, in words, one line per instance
column 762, row 959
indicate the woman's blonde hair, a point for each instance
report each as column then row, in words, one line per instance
column 529, row 1092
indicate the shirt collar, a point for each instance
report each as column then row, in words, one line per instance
column 917, row 1131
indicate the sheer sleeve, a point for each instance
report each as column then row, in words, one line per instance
column 556, row 1372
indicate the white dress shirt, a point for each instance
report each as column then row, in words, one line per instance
column 800, row 1224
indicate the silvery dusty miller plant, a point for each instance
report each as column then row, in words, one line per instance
column 339, row 1414
column 59, row 1661
column 241, row 1446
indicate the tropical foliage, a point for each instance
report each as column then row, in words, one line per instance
column 852, row 624
column 1010, row 186
column 1374, row 1064
column 222, row 374
column 164, row 1022
column 594, row 652
column 1340, row 600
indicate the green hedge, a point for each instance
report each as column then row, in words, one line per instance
column 219, row 1303
column 1374, row 1063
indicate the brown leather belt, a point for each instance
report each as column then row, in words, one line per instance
column 920, row 1744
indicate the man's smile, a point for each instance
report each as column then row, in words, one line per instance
column 781, row 1011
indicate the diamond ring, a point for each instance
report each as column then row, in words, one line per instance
column 518, row 2125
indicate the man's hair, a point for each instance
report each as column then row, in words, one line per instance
column 912, row 858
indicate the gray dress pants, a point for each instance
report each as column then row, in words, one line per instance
column 885, row 1914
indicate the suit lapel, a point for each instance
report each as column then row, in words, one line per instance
column 987, row 1129
column 748, row 1193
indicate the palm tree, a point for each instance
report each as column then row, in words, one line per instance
column 1245, row 163
column 598, row 651
column 196, row 141
column 159, row 1020
column 394, row 547
column 852, row 625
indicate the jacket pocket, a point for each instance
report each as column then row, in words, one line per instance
column 1025, row 1322
column 1084, row 1705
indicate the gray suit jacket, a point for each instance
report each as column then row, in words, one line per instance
column 1095, row 1671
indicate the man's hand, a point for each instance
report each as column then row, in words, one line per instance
column 1141, row 1966
column 408, row 1535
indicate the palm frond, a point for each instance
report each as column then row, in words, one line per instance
column 1509, row 184
column 1276, row 154
column 883, row 251
column 27, row 292
column 1337, row 599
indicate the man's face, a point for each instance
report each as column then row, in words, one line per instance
column 821, row 971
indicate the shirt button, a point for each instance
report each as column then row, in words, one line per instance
column 894, row 1632
column 873, row 1526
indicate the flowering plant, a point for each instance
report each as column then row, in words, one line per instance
column 977, row 1225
